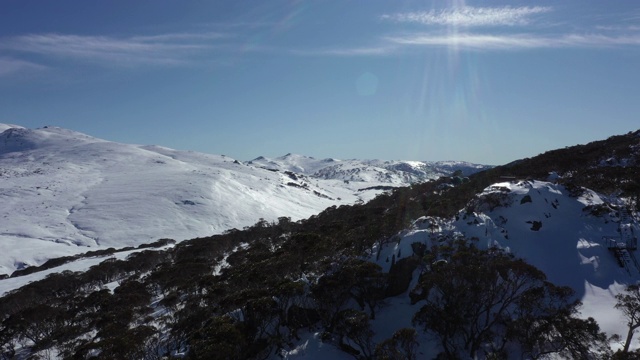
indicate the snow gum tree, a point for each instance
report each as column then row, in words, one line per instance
column 485, row 303
column 357, row 280
column 629, row 304
column 403, row 345
column 355, row 334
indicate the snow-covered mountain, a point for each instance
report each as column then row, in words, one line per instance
column 393, row 172
column 316, row 270
column 64, row 192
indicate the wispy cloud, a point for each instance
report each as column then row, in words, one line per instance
column 513, row 41
column 487, row 29
column 9, row 66
column 188, row 37
column 401, row 44
column 346, row 51
column 618, row 27
column 468, row 16
column 167, row 49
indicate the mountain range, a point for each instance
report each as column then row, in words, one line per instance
column 399, row 173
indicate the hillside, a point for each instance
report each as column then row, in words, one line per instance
column 65, row 193
column 565, row 234
column 362, row 280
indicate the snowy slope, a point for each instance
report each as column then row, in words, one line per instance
column 62, row 191
column 564, row 234
column 392, row 172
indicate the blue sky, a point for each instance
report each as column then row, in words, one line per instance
column 482, row 81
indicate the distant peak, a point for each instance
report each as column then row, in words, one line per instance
column 292, row 155
column 15, row 131
column 5, row 127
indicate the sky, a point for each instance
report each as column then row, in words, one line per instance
column 482, row 81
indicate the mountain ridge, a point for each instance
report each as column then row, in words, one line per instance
column 399, row 172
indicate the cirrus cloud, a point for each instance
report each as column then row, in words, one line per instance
column 165, row 49
column 471, row 16
column 9, row 66
column 513, row 41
